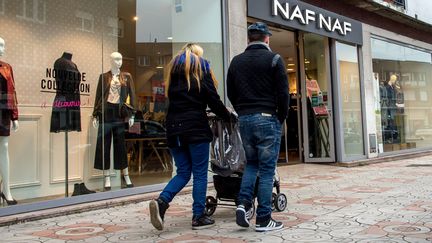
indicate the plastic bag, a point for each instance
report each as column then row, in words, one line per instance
column 227, row 153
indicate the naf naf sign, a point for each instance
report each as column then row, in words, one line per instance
column 299, row 15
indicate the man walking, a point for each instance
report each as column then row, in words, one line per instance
column 257, row 86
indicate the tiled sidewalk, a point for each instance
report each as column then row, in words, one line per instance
column 386, row 202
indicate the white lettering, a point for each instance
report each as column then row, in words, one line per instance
column 347, row 27
column 337, row 26
column 310, row 15
column 327, row 24
column 277, row 6
column 297, row 14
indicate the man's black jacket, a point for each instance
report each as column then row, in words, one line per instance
column 254, row 85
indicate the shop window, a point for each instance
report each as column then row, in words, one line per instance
column 116, row 27
column 32, row 10
column 403, row 82
column 85, row 21
column 143, row 61
column 348, row 68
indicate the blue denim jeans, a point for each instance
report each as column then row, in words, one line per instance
column 261, row 136
column 189, row 159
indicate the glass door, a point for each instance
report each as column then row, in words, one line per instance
column 316, row 100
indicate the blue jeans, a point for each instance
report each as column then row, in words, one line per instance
column 261, row 136
column 189, row 159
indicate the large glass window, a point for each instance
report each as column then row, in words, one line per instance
column 403, row 79
column 60, row 53
column 347, row 61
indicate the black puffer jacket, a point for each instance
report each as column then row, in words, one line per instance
column 186, row 121
column 255, row 85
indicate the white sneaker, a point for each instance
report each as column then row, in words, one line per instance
column 270, row 225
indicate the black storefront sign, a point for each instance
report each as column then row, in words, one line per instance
column 306, row 17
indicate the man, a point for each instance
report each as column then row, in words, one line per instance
column 258, row 89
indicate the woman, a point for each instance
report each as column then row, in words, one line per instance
column 190, row 89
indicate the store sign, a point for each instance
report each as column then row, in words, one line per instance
column 306, row 17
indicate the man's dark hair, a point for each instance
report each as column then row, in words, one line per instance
column 256, row 36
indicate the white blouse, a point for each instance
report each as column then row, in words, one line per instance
column 114, row 93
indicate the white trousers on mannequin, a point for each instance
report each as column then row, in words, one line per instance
column 4, row 167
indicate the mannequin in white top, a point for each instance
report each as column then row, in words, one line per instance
column 4, row 153
column 116, row 63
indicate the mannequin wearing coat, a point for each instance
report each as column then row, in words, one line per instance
column 118, row 86
column 8, row 114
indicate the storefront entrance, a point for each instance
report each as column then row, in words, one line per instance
column 308, row 132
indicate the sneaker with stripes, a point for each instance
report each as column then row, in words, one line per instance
column 269, row 225
column 242, row 216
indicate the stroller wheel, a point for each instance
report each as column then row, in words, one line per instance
column 211, row 204
column 251, row 212
column 280, row 202
column 274, row 196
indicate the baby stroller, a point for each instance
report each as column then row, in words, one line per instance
column 227, row 162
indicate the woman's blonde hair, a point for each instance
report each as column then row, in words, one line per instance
column 191, row 64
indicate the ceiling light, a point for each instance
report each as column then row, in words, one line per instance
column 291, row 64
column 307, row 62
column 159, row 67
column 290, row 70
column 170, row 38
column 135, row 18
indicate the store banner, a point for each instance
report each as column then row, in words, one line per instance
column 299, row 15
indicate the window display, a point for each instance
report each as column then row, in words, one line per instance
column 90, row 78
column 8, row 116
column 403, row 77
column 115, row 89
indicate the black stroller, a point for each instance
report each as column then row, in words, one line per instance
column 227, row 162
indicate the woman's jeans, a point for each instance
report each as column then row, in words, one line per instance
column 190, row 159
column 261, row 136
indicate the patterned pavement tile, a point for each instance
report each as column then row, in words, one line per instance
column 329, row 201
column 366, row 189
column 421, row 206
column 321, row 177
column 387, row 202
column 79, row 231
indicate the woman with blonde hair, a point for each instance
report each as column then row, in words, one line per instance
column 190, row 88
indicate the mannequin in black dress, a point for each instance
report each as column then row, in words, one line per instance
column 66, row 113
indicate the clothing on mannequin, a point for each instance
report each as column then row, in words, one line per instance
column 8, row 115
column 118, row 88
column 66, row 117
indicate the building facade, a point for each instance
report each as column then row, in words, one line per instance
column 359, row 80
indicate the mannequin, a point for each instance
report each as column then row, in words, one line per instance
column 66, row 119
column 118, row 88
column 391, row 91
column 8, row 113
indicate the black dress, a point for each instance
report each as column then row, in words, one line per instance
column 66, row 112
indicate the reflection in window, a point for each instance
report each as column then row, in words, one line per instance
column 116, row 27
column 32, row 10
column 403, row 79
column 154, row 31
column 85, row 21
column 143, row 61
column 2, row 7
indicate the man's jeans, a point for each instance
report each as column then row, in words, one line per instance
column 261, row 136
column 190, row 158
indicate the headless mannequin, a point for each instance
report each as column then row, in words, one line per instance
column 116, row 63
column 4, row 150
